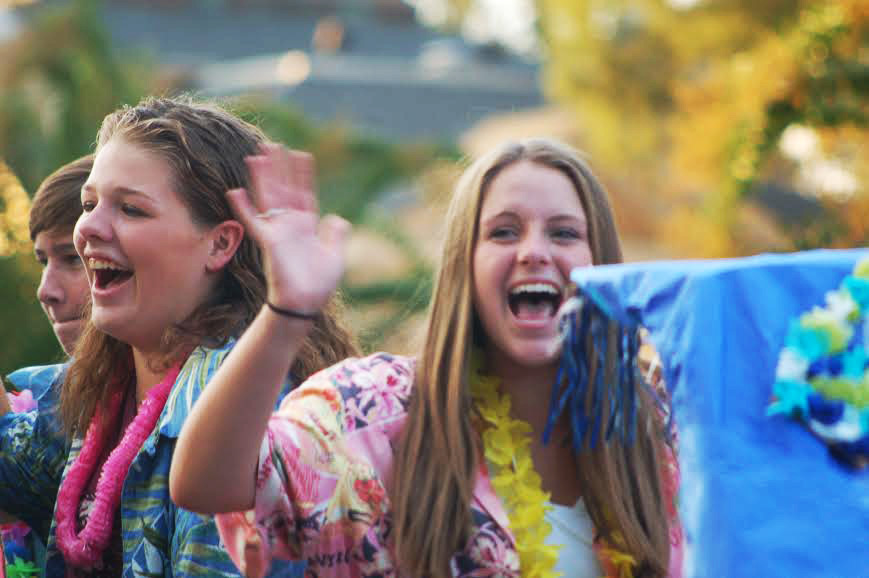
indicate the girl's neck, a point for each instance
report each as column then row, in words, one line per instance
column 146, row 378
column 529, row 389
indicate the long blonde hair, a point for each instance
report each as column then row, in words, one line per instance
column 205, row 146
column 437, row 455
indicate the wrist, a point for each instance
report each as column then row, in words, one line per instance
column 292, row 313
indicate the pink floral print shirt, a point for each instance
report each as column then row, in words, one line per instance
column 322, row 476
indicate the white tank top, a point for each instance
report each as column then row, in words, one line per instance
column 573, row 531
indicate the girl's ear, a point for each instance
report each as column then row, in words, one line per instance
column 225, row 239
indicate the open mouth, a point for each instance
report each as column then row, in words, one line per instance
column 108, row 274
column 534, row 301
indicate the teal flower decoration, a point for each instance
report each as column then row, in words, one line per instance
column 810, row 342
column 838, row 331
column 854, row 363
column 859, row 290
column 824, row 366
column 791, row 398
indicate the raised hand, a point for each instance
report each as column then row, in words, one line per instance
column 303, row 254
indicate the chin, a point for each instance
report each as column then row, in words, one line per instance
column 538, row 362
column 68, row 338
column 545, row 356
column 68, row 345
column 110, row 325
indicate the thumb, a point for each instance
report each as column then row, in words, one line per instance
column 242, row 206
column 333, row 232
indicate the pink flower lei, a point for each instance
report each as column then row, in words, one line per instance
column 85, row 549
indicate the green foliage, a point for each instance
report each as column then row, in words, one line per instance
column 352, row 169
column 409, row 295
column 27, row 338
column 60, row 82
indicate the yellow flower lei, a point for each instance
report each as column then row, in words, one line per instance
column 517, row 483
column 514, row 478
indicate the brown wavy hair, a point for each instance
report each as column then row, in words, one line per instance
column 57, row 203
column 439, row 451
column 205, row 145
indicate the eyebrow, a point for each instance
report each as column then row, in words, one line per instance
column 558, row 218
column 513, row 214
column 121, row 191
column 504, row 213
column 59, row 247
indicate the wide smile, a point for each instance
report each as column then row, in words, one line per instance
column 534, row 303
column 108, row 277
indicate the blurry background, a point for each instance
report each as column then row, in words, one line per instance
column 721, row 127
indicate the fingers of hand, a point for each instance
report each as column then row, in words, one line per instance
column 281, row 159
column 260, row 180
column 242, row 206
column 282, row 178
column 270, row 176
column 302, row 178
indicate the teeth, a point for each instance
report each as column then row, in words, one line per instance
column 534, row 288
column 101, row 264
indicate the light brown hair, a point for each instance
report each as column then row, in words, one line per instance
column 56, row 205
column 205, row 147
column 438, row 453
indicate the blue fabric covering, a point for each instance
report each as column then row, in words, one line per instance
column 760, row 496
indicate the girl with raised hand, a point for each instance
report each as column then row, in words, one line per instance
column 433, row 466
column 174, row 280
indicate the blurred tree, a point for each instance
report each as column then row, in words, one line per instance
column 19, row 273
column 792, row 107
column 696, row 95
column 688, row 101
column 14, row 207
column 58, row 79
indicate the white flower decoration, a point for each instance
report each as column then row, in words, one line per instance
column 840, row 305
column 791, row 366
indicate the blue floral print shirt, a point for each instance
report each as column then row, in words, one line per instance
column 159, row 538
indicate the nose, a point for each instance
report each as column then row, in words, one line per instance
column 93, row 225
column 534, row 250
column 50, row 290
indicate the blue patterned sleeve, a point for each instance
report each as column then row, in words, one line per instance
column 197, row 550
column 32, row 458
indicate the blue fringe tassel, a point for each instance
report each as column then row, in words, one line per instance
column 616, row 402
